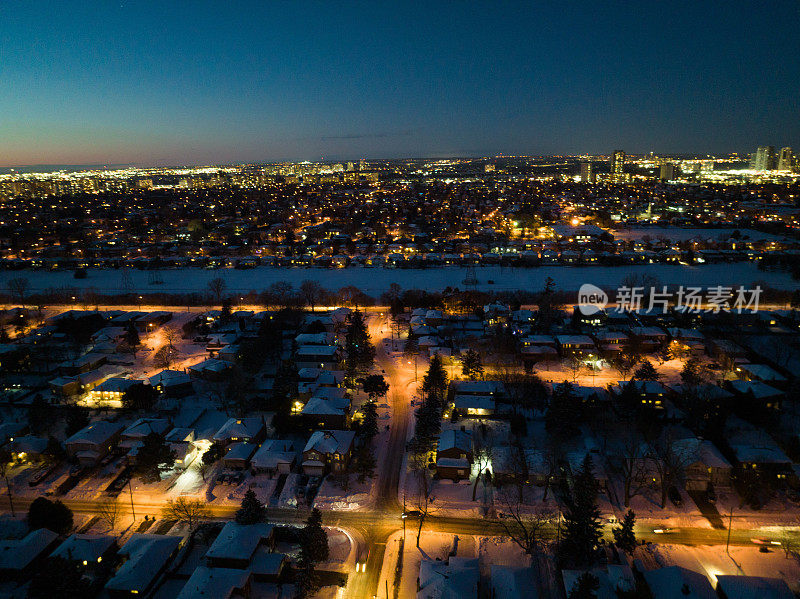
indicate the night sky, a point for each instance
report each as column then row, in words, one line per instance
column 160, row 83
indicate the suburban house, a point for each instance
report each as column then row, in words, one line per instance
column 327, row 450
column 93, row 442
column 251, row 430
column 454, row 454
column 237, row 544
column 144, row 558
column 20, row 557
column 275, row 456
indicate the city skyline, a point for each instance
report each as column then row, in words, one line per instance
column 154, row 86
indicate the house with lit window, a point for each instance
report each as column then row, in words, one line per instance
column 112, row 390
column 87, row 551
column 93, row 442
column 241, row 430
column 575, row 345
column 144, row 558
column 454, row 454
column 328, row 450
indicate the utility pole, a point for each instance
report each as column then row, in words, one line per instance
column 130, row 490
column 11, row 499
column 730, row 525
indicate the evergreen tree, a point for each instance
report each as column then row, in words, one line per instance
column 624, row 536
column 314, row 539
column 252, row 510
column 692, row 374
column 471, row 365
column 585, row 587
column 564, row 412
column 213, row 454
column 132, row 336
column 139, row 397
column 434, row 383
column 360, row 353
column 76, row 419
column 582, row 527
column 369, row 426
column 307, row 579
column 365, row 463
column 375, row 386
column 52, row 515
column 646, row 372
column 39, row 417
column 154, row 458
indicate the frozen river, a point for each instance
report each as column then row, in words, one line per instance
column 375, row 281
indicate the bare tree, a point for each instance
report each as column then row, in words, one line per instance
column 189, row 511
column 632, row 465
column 171, row 336
column 482, row 448
column 281, row 293
column 523, row 527
column 624, row 363
column 423, row 499
column 669, row 460
column 217, row 288
column 574, row 364
column 19, row 287
column 312, row 293
column 109, row 511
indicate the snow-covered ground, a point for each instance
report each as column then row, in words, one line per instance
column 375, row 281
column 681, row 234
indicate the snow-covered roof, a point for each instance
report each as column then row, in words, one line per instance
column 239, row 541
column 477, row 387
column 274, row 452
column 329, row 442
column 96, row 433
column 455, row 439
column 240, row 451
column 219, row 583
column 144, row 426
column 145, row 555
column 758, row 389
column 455, row 579
column 753, row 587
column 319, row 406
column 239, row 428
column 84, row 547
column 481, row 402
column 675, row 582
column 17, row 554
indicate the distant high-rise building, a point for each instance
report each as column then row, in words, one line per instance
column 617, row 174
column 667, row 172
column 350, row 167
column 488, row 168
column 786, row 160
column 362, row 165
column 587, row 174
column 763, row 159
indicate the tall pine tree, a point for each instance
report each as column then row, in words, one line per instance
column 582, row 528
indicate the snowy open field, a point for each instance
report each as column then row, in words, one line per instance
column 375, row 281
column 679, row 234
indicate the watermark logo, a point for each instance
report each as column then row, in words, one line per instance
column 591, row 299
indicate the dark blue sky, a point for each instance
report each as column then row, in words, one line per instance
column 161, row 83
